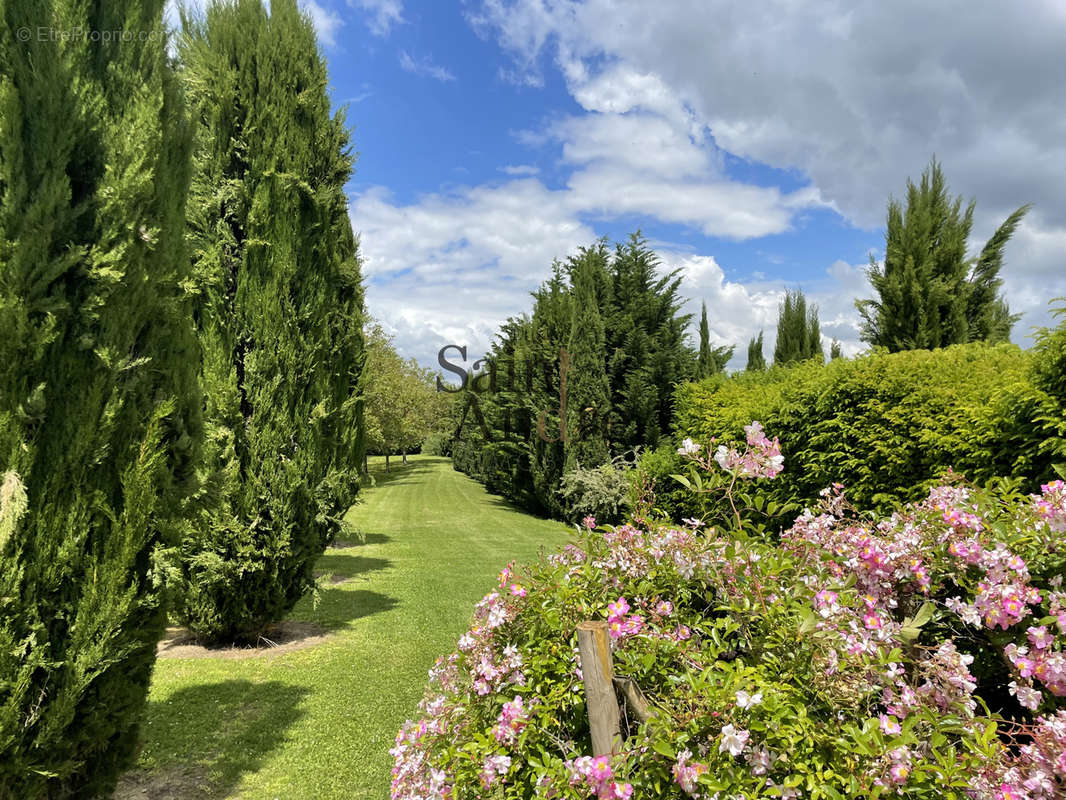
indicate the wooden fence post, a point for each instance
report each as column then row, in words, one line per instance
column 594, row 645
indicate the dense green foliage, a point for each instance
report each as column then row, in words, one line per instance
column 798, row 333
column 279, row 315
column 604, row 493
column 928, row 293
column 587, row 388
column 756, row 359
column 887, row 424
column 99, row 406
column 587, row 376
column 710, row 360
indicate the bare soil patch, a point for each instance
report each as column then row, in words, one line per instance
column 278, row 639
column 334, row 578
column 176, row 783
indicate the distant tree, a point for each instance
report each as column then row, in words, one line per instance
column 712, row 360
column 834, row 350
column 798, row 331
column 928, row 293
column 706, row 365
column 756, row 359
column 100, row 409
column 279, row 314
column 402, row 403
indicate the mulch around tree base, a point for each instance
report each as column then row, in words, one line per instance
column 278, row 639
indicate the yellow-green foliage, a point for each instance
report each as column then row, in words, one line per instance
column 885, row 425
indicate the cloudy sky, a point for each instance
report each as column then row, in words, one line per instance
column 755, row 145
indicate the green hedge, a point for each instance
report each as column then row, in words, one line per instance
column 885, row 424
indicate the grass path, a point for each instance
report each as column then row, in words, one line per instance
column 317, row 723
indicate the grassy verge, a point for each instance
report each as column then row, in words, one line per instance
column 318, row 722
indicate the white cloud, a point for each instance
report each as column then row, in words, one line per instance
column 450, row 268
column 639, row 141
column 326, row 21
column 425, row 67
column 856, row 97
column 520, row 169
column 382, row 14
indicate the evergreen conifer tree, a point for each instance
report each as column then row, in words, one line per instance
column 279, row 314
column 834, row 350
column 798, row 331
column 99, row 402
column 587, row 389
column 706, row 365
column 928, row 293
column 756, row 359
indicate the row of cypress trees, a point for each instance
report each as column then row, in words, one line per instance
column 180, row 351
column 587, row 376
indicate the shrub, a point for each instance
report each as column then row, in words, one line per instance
column 834, row 664
column 885, row 425
column 279, row 314
column 437, row 443
column 603, row 492
column 99, row 406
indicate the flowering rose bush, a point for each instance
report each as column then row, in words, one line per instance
column 918, row 655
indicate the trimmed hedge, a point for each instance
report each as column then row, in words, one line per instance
column 886, row 425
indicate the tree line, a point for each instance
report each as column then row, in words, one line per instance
column 182, row 347
column 589, row 375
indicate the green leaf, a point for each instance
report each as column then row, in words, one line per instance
column 664, row 749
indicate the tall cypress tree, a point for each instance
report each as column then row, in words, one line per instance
column 279, row 314
column 587, row 389
column 928, row 293
column 756, row 359
column 99, row 405
column 798, row 331
column 706, row 365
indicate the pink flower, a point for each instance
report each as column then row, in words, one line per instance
column 899, row 773
column 518, row 590
column 619, row 608
column 890, row 725
column 1039, row 637
column 687, row 773
column 492, row 768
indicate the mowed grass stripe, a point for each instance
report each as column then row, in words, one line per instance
column 318, row 722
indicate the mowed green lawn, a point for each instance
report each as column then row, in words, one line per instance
column 318, row 722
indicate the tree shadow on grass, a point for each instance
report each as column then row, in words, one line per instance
column 337, row 607
column 398, row 473
column 358, row 539
column 342, row 566
column 202, row 739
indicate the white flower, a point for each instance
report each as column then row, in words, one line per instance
column 733, row 741
column 1027, row 695
column 760, row 761
column 688, row 448
column 745, row 700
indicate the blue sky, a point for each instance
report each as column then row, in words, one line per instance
column 755, row 148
